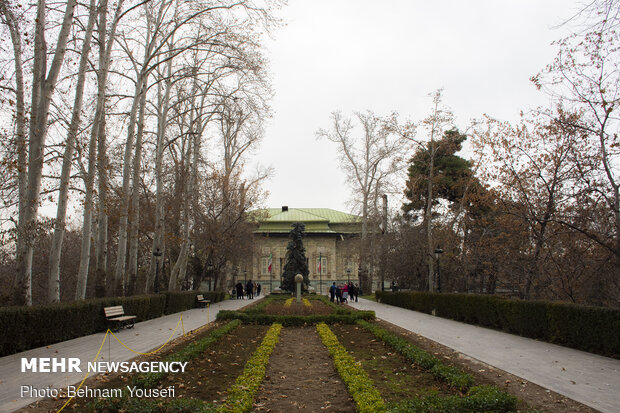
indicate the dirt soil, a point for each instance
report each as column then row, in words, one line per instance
column 395, row 377
column 531, row 396
column 301, row 376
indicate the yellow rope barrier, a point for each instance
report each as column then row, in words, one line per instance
column 124, row 345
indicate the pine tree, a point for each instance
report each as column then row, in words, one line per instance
column 295, row 259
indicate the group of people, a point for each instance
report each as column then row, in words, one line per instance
column 251, row 289
column 344, row 292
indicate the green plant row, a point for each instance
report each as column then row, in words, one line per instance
column 25, row 328
column 241, row 394
column 359, row 384
column 478, row 399
column 585, row 328
column 134, row 405
column 453, row 376
column 187, row 353
column 295, row 320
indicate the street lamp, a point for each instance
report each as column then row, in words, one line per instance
column 210, row 273
column 438, row 251
column 320, row 274
column 156, row 254
column 245, row 276
column 348, row 275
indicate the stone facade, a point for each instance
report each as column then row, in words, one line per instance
column 332, row 239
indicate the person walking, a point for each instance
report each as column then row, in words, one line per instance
column 249, row 287
column 345, row 293
column 352, row 292
column 332, row 292
column 339, row 294
column 258, row 288
column 239, row 288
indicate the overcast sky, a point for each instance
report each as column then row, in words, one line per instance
column 354, row 55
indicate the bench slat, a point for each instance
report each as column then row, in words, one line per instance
column 127, row 317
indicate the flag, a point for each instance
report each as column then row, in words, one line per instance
column 320, row 266
column 269, row 264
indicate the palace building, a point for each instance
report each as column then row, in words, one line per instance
column 331, row 242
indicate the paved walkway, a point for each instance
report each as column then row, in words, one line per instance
column 144, row 337
column 587, row 378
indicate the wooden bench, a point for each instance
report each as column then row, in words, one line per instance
column 117, row 316
column 201, row 299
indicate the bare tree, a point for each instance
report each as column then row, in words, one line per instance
column 43, row 84
column 369, row 161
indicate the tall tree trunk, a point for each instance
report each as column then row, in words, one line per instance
column 53, row 292
column 119, row 271
column 162, row 122
column 132, row 270
column 105, row 51
column 43, row 85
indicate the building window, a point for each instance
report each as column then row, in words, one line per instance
column 321, row 265
column 264, row 266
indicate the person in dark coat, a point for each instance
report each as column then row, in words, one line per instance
column 332, row 292
column 258, row 288
column 250, row 289
column 339, row 295
column 239, row 288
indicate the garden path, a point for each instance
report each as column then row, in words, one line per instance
column 301, row 376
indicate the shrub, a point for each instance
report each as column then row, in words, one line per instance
column 248, row 317
column 241, row 394
column 478, row 399
column 177, row 301
column 585, row 328
column 30, row 327
column 360, row 385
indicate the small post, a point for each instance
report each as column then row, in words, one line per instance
column 298, row 280
column 156, row 254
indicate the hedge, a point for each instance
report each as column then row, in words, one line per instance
column 360, row 385
column 593, row 329
column 479, row 399
column 295, row 320
column 241, row 394
column 25, row 328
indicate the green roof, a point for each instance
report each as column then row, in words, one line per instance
column 316, row 220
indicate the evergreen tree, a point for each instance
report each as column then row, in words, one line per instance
column 451, row 173
column 295, row 259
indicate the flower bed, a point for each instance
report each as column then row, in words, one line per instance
column 241, row 394
column 360, row 386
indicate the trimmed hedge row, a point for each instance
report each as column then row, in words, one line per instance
column 593, row 329
column 360, row 385
column 25, row 328
column 241, row 394
column 479, row 399
column 295, row 320
column 189, row 352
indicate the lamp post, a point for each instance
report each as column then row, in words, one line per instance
column 156, row 254
column 245, row 277
column 348, row 275
column 438, row 251
column 210, row 273
column 320, row 274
